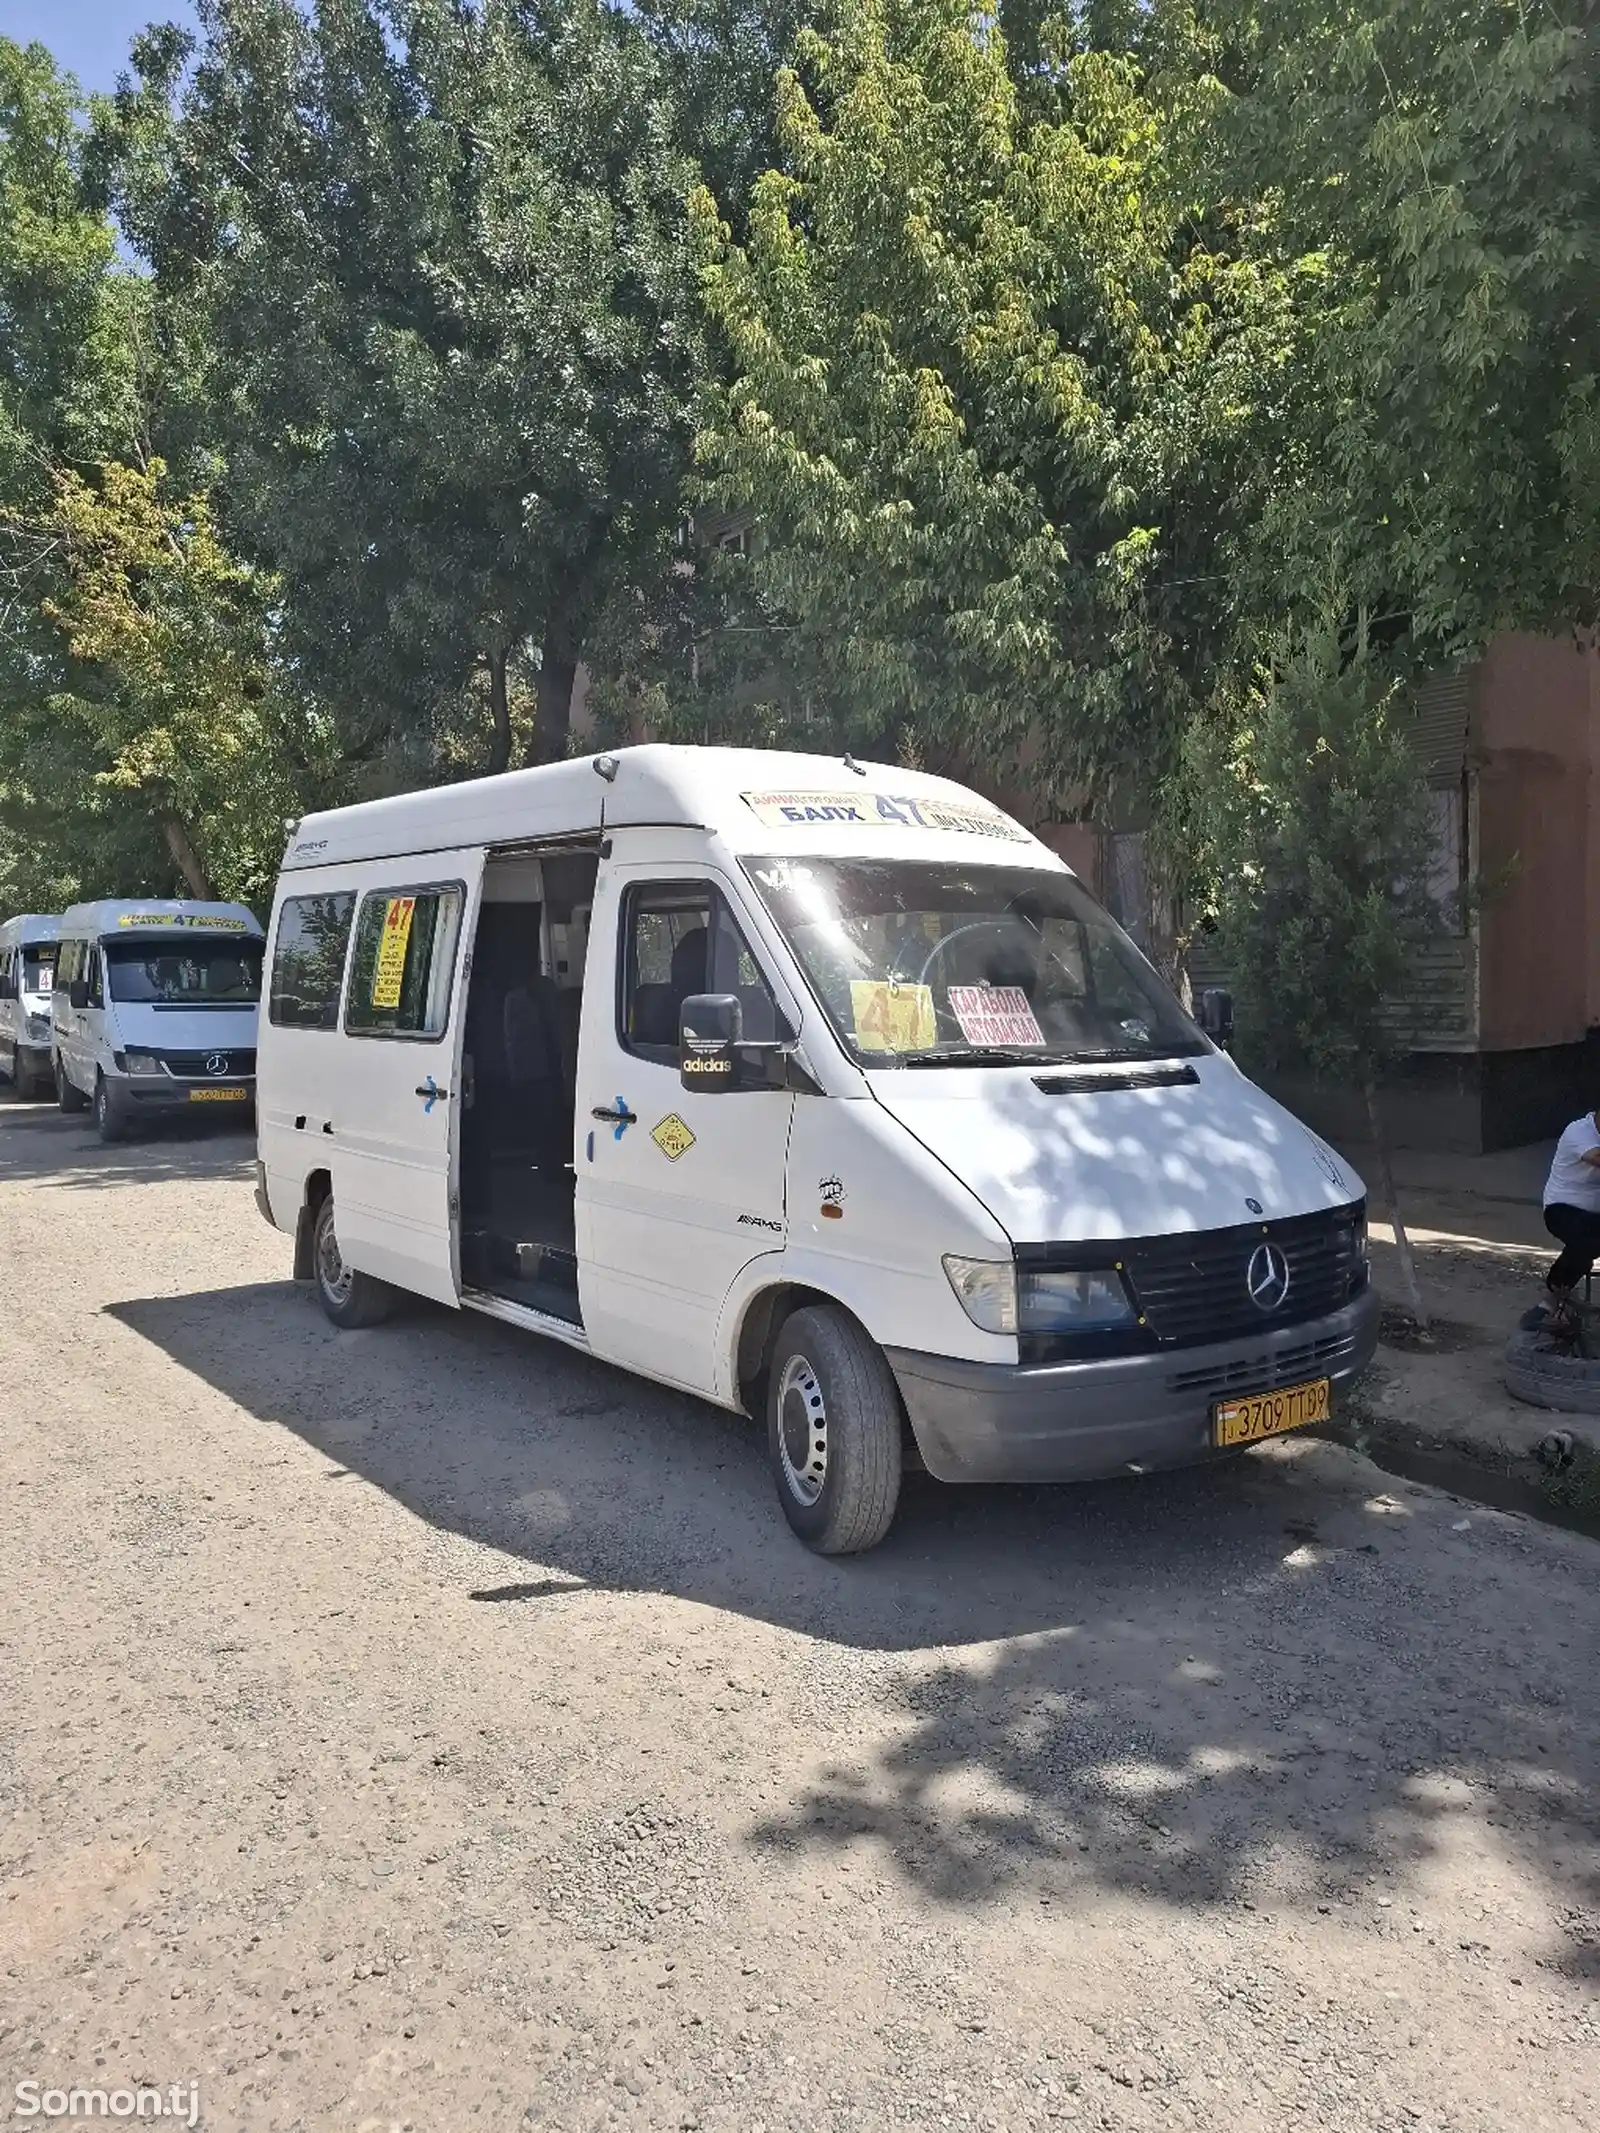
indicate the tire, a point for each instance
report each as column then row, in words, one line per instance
column 833, row 1431
column 1540, row 1376
column 68, row 1096
column 349, row 1298
column 110, row 1120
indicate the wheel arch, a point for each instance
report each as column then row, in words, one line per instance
column 759, row 1323
column 318, row 1185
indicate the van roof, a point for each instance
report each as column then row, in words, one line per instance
column 755, row 798
column 115, row 918
column 29, row 926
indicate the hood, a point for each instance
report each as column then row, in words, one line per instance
column 1116, row 1163
column 143, row 1027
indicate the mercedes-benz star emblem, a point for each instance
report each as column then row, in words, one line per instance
column 216, row 1062
column 1267, row 1277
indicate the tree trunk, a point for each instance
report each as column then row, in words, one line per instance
column 186, row 859
column 558, row 670
column 500, row 706
column 1408, row 1269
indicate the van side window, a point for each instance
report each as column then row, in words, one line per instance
column 94, row 969
column 679, row 938
column 403, row 962
column 66, row 965
column 308, row 960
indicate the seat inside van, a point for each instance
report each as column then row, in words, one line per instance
column 520, row 1080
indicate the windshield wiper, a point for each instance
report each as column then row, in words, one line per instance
column 1035, row 1055
column 985, row 1055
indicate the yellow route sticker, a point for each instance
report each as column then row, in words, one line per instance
column 891, row 1018
column 388, row 973
column 672, row 1137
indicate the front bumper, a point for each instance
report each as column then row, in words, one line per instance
column 146, row 1095
column 1081, row 1421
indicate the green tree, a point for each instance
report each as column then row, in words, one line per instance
column 993, row 387
column 443, row 254
column 150, row 737
column 1442, row 443
column 1321, row 846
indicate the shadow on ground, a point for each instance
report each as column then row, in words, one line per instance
column 46, row 1146
column 1184, row 1686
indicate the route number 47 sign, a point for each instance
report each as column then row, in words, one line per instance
column 388, row 973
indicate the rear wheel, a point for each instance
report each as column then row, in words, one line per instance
column 29, row 1084
column 350, row 1298
column 833, row 1431
column 68, row 1097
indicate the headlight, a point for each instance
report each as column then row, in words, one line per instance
column 987, row 1289
column 1079, row 1302
column 144, row 1063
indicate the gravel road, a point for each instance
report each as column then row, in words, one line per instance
column 426, row 1728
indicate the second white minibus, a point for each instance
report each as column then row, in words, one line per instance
column 155, row 1011
column 821, row 1089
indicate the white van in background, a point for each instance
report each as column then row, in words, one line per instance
column 155, row 1010
column 820, row 1089
column 27, row 973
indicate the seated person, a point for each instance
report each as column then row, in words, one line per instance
column 1572, row 1204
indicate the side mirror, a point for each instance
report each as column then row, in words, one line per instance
column 710, row 1027
column 1216, row 1014
column 78, row 993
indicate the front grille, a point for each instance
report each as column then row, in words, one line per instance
column 1196, row 1288
column 191, row 1066
column 1267, row 1371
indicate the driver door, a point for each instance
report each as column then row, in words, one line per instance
column 678, row 1190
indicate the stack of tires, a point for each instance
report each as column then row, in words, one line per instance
column 1544, row 1375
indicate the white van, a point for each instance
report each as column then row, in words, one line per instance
column 27, row 972
column 818, row 1088
column 155, row 1010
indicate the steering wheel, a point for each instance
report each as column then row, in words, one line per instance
column 948, row 940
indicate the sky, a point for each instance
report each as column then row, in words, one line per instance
column 88, row 37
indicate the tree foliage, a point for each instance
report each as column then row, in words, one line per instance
column 992, row 379
column 149, row 735
column 442, row 251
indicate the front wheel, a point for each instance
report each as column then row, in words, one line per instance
column 349, row 1298
column 68, row 1096
column 110, row 1121
column 833, row 1431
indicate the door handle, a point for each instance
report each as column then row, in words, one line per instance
column 617, row 1116
column 432, row 1091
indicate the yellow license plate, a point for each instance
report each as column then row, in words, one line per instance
column 1269, row 1414
column 218, row 1096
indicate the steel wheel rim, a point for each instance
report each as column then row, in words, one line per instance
column 332, row 1272
column 802, row 1431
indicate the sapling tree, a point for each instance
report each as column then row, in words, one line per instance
column 1322, row 847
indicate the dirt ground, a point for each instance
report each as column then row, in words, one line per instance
column 428, row 1729
column 1482, row 1252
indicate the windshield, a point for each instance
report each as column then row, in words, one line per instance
column 952, row 964
column 39, row 968
column 195, row 974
